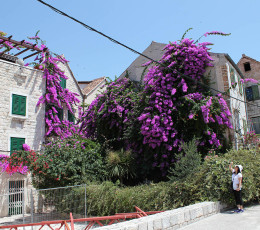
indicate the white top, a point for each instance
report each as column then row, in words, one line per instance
column 236, row 181
column 233, row 174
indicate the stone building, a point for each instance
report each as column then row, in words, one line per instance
column 251, row 69
column 21, row 121
column 91, row 89
column 225, row 76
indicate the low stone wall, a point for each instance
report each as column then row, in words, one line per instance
column 169, row 220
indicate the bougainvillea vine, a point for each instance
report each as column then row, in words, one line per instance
column 56, row 97
column 171, row 109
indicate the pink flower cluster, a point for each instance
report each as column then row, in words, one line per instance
column 7, row 167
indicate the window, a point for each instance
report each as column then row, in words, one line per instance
column 232, row 76
column 256, row 124
column 18, row 104
column 16, row 189
column 240, row 85
column 63, row 83
column 71, row 117
column 247, row 66
column 16, row 144
column 252, row 93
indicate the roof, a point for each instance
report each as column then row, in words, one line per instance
column 155, row 51
column 92, row 85
column 231, row 61
column 244, row 56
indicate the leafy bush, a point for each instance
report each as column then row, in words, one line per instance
column 120, row 165
column 64, row 162
column 188, row 161
column 210, row 182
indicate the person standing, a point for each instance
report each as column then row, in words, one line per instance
column 237, row 186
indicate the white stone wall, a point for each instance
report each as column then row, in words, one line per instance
column 28, row 82
column 4, row 191
column 92, row 95
column 236, row 104
column 169, row 220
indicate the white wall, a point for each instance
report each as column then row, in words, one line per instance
column 93, row 94
column 21, row 81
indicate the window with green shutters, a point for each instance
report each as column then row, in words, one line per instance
column 255, row 92
column 256, row 124
column 232, row 76
column 63, row 83
column 240, row 85
column 252, row 93
column 18, row 104
column 16, row 143
column 71, row 117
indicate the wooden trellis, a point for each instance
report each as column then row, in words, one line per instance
column 23, row 46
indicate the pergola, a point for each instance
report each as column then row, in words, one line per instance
column 23, row 45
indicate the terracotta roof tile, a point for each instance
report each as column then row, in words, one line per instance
column 92, row 85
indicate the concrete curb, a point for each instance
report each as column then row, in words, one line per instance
column 169, row 220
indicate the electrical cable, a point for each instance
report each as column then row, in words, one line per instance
column 137, row 52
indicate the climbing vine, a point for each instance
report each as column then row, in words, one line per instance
column 56, row 97
column 169, row 109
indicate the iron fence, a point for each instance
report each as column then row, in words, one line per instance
column 36, row 205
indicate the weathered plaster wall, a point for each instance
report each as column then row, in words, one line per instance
column 253, row 111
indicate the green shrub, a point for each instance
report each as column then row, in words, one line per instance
column 189, row 161
column 210, row 182
column 64, row 162
column 120, row 165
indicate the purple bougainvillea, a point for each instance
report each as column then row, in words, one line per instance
column 169, row 110
column 56, row 97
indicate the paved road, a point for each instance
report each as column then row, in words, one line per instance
column 248, row 220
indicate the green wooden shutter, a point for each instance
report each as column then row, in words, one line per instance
column 15, row 104
column 240, row 85
column 255, row 92
column 63, row 83
column 18, row 104
column 23, row 105
column 232, row 76
column 71, row 117
column 16, row 144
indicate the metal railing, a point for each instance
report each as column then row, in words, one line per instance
column 22, row 206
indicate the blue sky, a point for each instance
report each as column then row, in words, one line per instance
column 134, row 22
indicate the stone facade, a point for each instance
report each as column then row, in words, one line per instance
column 251, row 69
column 29, row 83
column 221, row 80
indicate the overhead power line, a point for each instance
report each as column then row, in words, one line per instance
column 137, row 52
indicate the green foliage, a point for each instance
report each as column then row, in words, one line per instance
column 64, row 162
column 189, row 161
column 120, row 165
column 73, row 161
column 210, row 182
